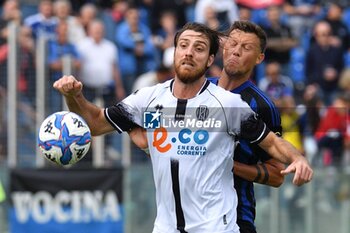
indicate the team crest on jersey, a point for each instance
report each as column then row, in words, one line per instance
column 202, row 112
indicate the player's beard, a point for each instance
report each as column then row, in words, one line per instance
column 234, row 72
column 189, row 76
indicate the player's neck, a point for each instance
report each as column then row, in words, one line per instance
column 187, row 90
column 230, row 83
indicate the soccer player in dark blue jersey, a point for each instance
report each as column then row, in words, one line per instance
column 243, row 50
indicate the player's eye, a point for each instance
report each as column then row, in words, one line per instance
column 199, row 48
column 183, row 45
column 233, row 43
column 248, row 47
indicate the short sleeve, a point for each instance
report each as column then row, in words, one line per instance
column 253, row 129
column 245, row 123
column 128, row 114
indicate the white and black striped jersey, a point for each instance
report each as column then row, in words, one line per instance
column 191, row 143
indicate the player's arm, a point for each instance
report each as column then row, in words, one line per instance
column 285, row 152
column 256, row 131
column 71, row 89
column 268, row 173
column 139, row 138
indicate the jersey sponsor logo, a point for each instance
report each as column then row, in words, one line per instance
column 187, row 142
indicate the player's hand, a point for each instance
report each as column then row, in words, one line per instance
column 302, row 169
column 139, row 137
column 68, row 86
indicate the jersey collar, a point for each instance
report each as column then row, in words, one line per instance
column 240, row 88
column 203, row 88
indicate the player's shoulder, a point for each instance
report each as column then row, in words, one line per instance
column 256, row 93
column 226, row 98
column 153, row 90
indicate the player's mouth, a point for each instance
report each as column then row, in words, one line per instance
column 187, row 64
column 233, row 61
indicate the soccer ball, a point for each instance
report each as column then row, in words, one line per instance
column 64, row 138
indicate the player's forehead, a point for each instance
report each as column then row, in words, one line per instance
column 238, row 35
column 191, row 36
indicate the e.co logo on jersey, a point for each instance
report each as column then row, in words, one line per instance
column 185, row 136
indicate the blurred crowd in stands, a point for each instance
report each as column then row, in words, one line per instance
column 120, row 46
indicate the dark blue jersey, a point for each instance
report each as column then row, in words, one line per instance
column 248, row 153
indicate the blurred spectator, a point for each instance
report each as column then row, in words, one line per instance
column 340, row 33
column 100, row 73
column 324, row 62
column 87, row 13
column 211, row 19
column 314, row 104
column 135, row 47
column 26, row 82
column 290, row 122
column 164, row 37
column 346, row 154
column 146, row 15
column 118, row 11
column 10, row 13
column 226, row 11
column 331, row 132
column 153, row 9
column 274, row 84
column 189, row 6
column 344, row 80
column 160, row 75
column 99, row 66
column 244, row 13
column 62, row 10
column 42, row 23
column 57, row 50
column 280, row 39
column 310, row 119
column 302, row 15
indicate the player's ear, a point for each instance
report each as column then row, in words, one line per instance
column 260, row 58
column 210, row 60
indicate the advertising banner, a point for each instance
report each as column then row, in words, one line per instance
column 66, row 201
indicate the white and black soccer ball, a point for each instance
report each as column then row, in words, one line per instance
column 64, row 138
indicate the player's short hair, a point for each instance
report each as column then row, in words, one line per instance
column 250, row 27
column 212, row 35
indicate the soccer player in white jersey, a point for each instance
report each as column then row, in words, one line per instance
column 192, row 126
